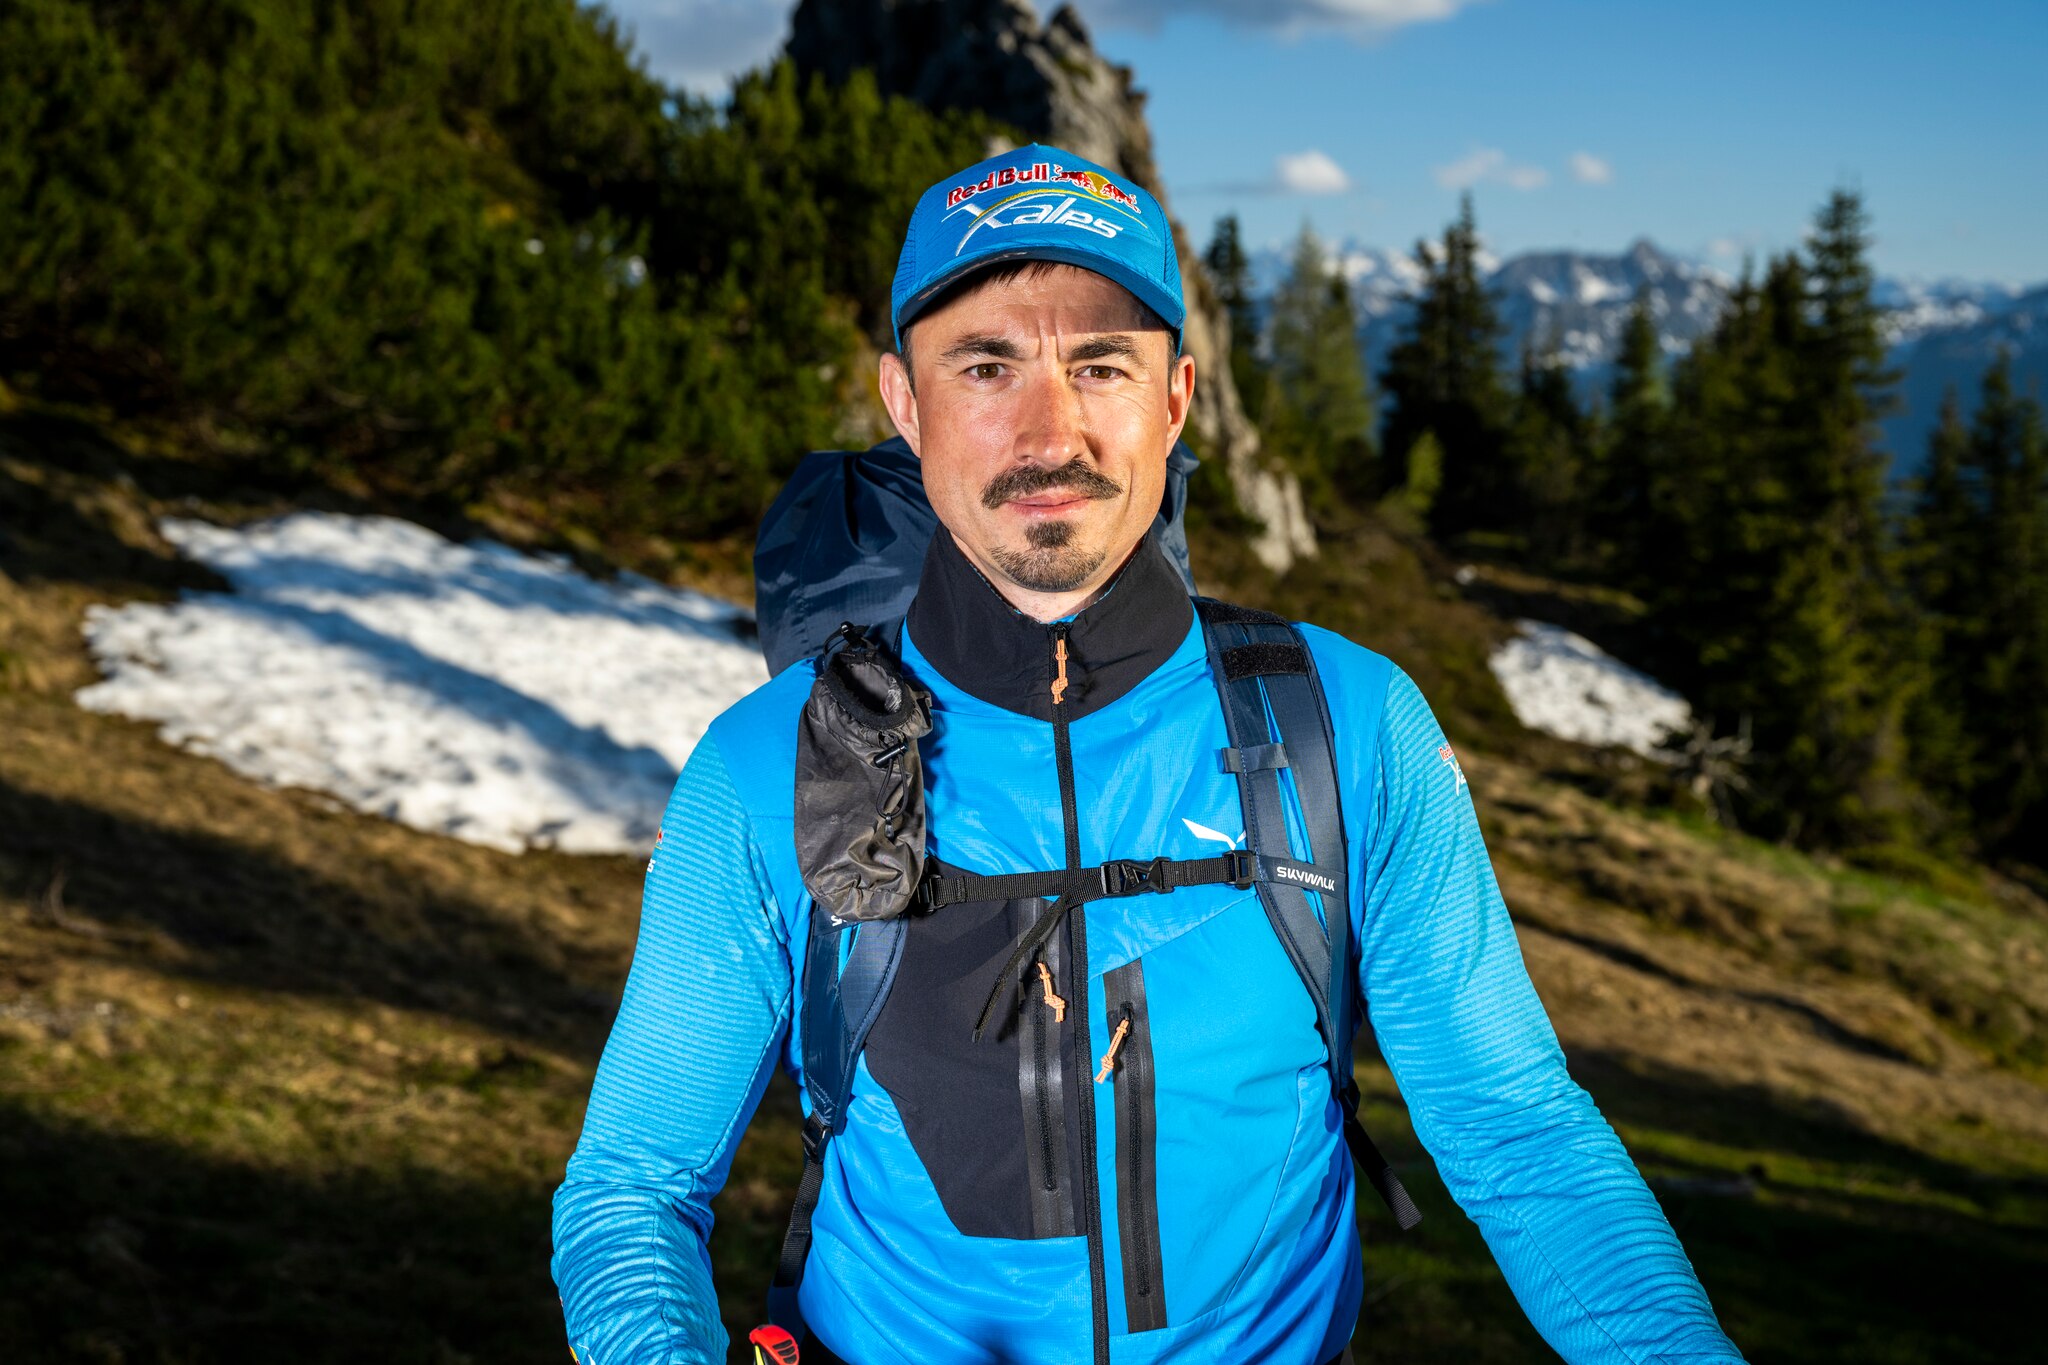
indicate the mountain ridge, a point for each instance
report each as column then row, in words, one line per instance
column 1940, row 332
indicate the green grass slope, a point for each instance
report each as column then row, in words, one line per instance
column 277, row 1079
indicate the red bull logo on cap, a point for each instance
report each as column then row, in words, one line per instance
column 1045, row 173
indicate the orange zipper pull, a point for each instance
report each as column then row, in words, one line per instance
column 1059, row 1006
column 1116, row 1040
column 1059, row 684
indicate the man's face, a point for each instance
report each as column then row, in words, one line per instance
column 1043, row 412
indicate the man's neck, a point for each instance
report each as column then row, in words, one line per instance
column 983, row 644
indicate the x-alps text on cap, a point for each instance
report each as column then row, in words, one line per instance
column 1061, row 214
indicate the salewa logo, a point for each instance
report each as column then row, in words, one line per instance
column 1213, row 836
column 1445, row 755
column 1282, row 872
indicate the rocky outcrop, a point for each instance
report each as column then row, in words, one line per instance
column 1046, row 79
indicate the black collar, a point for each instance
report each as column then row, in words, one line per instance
column 989, row 649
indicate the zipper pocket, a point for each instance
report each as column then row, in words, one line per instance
column 1127, row 1066
column 1041, row 1029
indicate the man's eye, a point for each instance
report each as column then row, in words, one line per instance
column 1101, row 372
column 987, row 369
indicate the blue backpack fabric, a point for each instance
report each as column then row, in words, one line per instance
column 845, row 538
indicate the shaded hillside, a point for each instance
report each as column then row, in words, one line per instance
column 283, row 1079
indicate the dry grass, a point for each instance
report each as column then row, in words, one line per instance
column 276, row 1078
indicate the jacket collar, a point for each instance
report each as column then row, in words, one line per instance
column 990, row 650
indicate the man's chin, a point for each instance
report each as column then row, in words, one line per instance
column 1049, row 568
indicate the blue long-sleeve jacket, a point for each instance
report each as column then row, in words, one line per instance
column 951, row 1226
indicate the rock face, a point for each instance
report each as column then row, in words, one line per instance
column 1046, row 79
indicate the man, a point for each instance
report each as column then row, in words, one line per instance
column 1123, row 1145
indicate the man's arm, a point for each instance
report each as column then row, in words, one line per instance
column 705, row 1006
column 1582, row 1242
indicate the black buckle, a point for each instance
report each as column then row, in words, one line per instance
column 1127, row 877
column 1244, row 869
column 816, row 1135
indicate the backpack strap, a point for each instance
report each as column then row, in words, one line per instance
column 841, row 1001
column 1277, row 719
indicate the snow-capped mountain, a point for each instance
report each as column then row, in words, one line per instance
column 1934, row 359
column 1918, row 307
column 1941, row 332
column 1580, row 303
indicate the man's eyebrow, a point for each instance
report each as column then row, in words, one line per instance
column 984, row 343
column 1104, row 346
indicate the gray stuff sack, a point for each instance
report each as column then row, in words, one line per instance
column 860, row 820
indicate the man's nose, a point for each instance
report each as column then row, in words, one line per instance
column 1050, row 429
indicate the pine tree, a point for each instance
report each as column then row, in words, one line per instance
column 1977, row 546
column 1547, row 448
column 1631, row 445
column 1770, row 555
column 1444, row 377
column 1940, row 564
column 2008, row 711
column 1320, row 415
column 1230, row 268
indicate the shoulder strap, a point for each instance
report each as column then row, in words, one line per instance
column 844, row 987
column 841, row 1000
column 1276, row 717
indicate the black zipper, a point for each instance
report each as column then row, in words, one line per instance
column 1040, row 1069
column 1091, row 1195
column 1050, row 1181
column 1137, row 1194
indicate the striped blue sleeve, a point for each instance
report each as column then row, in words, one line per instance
column 1522, row 1148
column 698, row 1032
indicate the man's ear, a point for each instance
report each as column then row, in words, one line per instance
column 1180, row 394
column 901, row 402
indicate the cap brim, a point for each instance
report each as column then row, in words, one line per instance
column 1148, row 292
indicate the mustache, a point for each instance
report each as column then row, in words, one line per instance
column 1025, row 480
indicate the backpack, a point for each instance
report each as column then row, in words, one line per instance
column 845, row 538
column 846, row 541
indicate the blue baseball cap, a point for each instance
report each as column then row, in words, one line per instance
column 1038, row 204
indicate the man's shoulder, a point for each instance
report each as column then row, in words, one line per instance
column 756, row 738
column 1353, row 676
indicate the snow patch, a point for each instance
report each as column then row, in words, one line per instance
column 1565, row 685
column 466, row 689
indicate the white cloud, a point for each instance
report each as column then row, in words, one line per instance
column 1588, row 169
column 1490, row 165
column 702, row 44
column 1362, row 19
column 1310, row 172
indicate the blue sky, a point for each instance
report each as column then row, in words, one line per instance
column 1713, row 130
